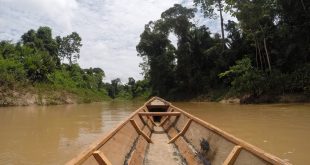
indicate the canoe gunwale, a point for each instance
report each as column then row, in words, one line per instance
column 106, row 137
column 245, row 145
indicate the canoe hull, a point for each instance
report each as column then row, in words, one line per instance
column 197, row 141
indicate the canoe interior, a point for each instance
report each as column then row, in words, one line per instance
column 157, row 109
column 192, row 141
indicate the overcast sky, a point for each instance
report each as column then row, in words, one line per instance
column 110, row 29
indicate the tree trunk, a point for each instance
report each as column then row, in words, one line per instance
column 267, row 54
column 260, row 56
column 303, row 5
column 265, row 47
column 222, row 23
column 264, row 62
column 256, row 51
column 70, row 61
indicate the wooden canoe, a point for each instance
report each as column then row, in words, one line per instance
column 160, row 133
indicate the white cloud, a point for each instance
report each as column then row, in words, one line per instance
column 110, row 29
column 115, row 27
column 32, row 13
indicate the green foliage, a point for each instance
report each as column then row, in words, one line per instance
column 157, row 52
column 42, row 40
column 184, row 70
column 299, row 80
column 274, row 37
column 62, row 78
column 244, row 78
column 76, row 77
column 7, row 50
column 39, row 65
column 115, row 87
column 241, row 67
column 123, row 94
column 141, row 89
column 35, row 62
column 208, row 9
column 132, row 90
column 11, row 71
column 69, row 47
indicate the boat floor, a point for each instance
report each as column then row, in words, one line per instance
column 160, row 152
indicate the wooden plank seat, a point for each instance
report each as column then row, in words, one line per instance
column 159, row 113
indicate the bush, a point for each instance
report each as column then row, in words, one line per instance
column 39, row 65
column 11, row 71
column 300, row 79
column 61, row 78
column 244, row 77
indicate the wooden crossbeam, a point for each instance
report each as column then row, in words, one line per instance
column 101, row 158
column 230, row 160
column 182, row 132
column 140, row 132
column 145, row 122
column 159, row 113
column 164, row 120
column 152, row 121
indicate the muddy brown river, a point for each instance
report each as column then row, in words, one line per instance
column 54, row 134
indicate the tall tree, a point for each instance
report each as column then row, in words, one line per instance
column 69, row 47
column 42, row 40
column 158, row 52
column 257, row 20
column 208, row 6
column 178, row 70
column 177, row 19
column 115, row 87
column 272, row 37
column 132, row 83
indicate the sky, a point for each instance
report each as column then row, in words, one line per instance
column 110, row 29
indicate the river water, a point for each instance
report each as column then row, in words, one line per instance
column 54, row 134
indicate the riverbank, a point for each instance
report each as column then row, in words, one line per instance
column 45, row 94
column 251, row 99
column 225, row 98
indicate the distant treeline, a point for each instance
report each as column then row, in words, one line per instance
column 42, row 61
column 265, row 53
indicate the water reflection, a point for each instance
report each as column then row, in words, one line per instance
column 54, row 134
